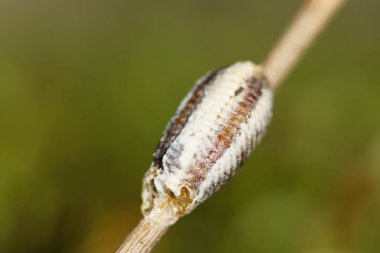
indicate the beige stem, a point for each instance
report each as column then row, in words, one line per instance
column 310, row 20
column 147, row 233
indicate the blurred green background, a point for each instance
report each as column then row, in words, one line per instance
column 87, row 87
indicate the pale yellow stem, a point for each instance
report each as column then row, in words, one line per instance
column 148, row 232
column 307, row 24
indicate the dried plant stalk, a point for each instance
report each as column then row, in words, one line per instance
column 311, row 19
column 144, row 236
column 148, row 232
column 235, row 102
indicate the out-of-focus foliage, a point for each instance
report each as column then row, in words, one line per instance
column 86, row 88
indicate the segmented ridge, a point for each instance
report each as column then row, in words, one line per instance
column 226, row 134
column 182, row 116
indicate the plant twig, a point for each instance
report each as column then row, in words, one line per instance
column 297, row 38
column 148, row 232
column 311, row 19
column 143, row 237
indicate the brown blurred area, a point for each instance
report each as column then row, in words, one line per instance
column 86, row 88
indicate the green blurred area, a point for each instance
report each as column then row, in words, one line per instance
column 86, row 88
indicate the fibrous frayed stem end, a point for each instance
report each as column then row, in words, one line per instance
column 162, row 212
column 177, row 203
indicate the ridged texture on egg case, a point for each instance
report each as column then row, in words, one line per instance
column 215, row 128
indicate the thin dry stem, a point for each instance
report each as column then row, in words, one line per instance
column 297, row 38
column 148, row 232
column 310, row 20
